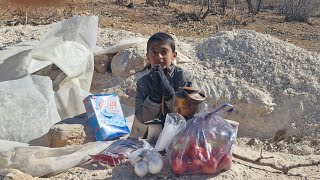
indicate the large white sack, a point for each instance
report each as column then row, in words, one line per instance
column 8, row 145
column 27, row 108
column 70, row 101
column 40, row 161
column 13, row 63
column 69, row 46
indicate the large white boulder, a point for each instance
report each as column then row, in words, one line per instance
column 129, row 61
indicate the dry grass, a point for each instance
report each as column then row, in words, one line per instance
column 35, row 12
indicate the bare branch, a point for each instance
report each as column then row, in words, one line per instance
column 284, row 169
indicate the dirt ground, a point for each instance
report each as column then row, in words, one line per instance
column 240, row 170
column 146, row 19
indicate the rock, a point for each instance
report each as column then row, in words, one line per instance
column 100, row 68
column 315, row 142
column 270, row 147
column 102, row 63
column 281, row 145
column 302, row 150
column 280, row 135
column 284, row 151
column 253, row 141
column 61, row 135
column 70, row 131
column 14, row 174
column 2, row 46
column 129, row 61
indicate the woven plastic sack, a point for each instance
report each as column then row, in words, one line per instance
column 204, row 146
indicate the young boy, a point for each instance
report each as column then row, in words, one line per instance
column 155, row 90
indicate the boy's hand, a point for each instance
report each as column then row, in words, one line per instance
column 156, row 93
column 160, row 83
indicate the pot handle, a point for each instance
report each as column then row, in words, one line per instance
column 153, row 121
column 227, row 106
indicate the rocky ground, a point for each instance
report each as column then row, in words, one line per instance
column 240, row 170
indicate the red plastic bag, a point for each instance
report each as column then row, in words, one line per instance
column 204, row 146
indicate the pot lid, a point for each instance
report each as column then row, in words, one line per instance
column 194, row 94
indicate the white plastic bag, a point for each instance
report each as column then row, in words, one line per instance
column 173, row 124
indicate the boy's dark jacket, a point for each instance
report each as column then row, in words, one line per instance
column 146, row 109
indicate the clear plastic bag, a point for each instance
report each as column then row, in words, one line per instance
column 119, row 150
column 204, row 146
column 146, row 161
column 173, row 124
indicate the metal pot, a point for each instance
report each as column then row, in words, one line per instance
column 187, row 100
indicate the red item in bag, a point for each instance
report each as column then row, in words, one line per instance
column 108, row 158
column 118, row 151
column 204, row 146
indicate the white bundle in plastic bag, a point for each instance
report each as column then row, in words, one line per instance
column 173, row 124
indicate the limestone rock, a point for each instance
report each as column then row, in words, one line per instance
column 129, row 61
column 14, row 174
column 102, row 63
column 70, row 131
column 61, row 135
column 100, row 68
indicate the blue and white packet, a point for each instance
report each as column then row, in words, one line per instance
column 106, row 116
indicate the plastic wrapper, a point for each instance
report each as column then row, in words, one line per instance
column 119, row 150
column 146, row 161
column 204, row 146
column 173, row 124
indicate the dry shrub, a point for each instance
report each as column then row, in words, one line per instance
column 39, row 11
column 296, row 10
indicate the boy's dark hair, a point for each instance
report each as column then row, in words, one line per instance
column 161, row 36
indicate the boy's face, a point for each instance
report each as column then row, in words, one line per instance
column 160, row 52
